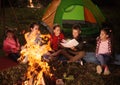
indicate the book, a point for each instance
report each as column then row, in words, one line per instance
column 70, row 43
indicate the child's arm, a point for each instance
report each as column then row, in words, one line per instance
column 6, row 47
column 73, row 48
column 80, row 46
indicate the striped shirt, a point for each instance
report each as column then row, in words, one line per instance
column 103, row 47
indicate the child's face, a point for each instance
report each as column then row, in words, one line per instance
column 75, row 33
column 57, row 31
column 9, row 35
column 103, row 35
column 35, row 29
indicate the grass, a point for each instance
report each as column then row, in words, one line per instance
column 70, row 73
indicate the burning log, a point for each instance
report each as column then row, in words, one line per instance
column 34, row 80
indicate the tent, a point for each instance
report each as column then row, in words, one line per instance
column 69, row 12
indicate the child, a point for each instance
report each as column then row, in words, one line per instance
column 11, row 45
column 103, row 51
column 77, row 52
column 56, row 38
column 32, row 38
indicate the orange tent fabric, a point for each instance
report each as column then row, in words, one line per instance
column 48, row 17
column 89, row 16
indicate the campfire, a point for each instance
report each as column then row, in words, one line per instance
column 36, row 66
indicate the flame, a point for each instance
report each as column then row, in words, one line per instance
column 36, row 46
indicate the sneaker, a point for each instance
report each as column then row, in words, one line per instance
column 106, row 71
column 80, row 62
column 99, row 69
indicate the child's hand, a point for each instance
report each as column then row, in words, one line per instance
column 52, row 51
column 22, row 47
column 64, row 41
column 48, row 53
column 73, row 48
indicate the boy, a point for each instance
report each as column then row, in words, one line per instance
column 77, row 52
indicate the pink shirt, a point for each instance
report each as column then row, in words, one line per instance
column 103, row 48
column 9, row 45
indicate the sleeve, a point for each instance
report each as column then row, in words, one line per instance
column 97, row 44
column 18, row 45
column 51, row 40
column 6, row 47
column 62, row 36
column 109, row 46
column 80, row 46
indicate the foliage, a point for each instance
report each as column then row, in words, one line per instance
column 12, row 75
column 75, row 74
column 72, row 74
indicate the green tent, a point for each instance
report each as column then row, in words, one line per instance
column 69, row 12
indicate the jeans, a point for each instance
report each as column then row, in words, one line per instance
column 91, row 58
column 103, row 58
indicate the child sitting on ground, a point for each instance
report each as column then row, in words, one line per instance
column 11, row 45
column 103, row 51
column 56, row 38
column 75, row 53
column 32, row 37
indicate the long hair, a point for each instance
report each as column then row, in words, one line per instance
column 108, row 32
column 32, row 25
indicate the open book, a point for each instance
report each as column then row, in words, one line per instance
column 70, row 43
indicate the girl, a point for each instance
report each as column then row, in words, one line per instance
column 56, row 38
column 75, row 53
column 11, row 45
column 103, row 51
column 32, row 36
